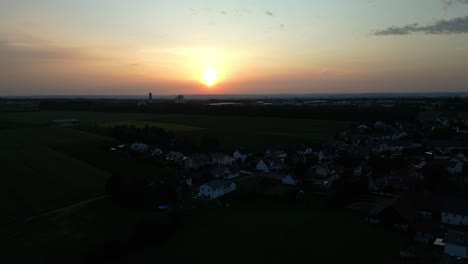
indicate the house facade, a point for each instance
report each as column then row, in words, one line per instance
column 240, row 155
column 456, row 244
column 175, row 156
column 290, row 179
column 139, row 147
column 217, row 188
column 455, row 211
column 222, row 159
column 262, row 166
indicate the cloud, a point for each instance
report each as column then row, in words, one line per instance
column 453, row 26
column 450, row 3
column 268, row 13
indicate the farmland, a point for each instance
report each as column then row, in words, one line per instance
column 267, row 232
column 254, row 133
column 262, row 231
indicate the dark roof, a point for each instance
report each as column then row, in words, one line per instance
column 455, row 205
column 218, row 184
column 458, row 238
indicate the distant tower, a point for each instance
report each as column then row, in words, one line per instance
column 180, row 100
column 150, row 98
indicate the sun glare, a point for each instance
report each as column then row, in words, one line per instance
column 210, row 77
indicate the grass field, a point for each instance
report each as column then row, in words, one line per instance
column 272, row 232
column 37, row 178
column 141, row 123
column 255, row 133
column 250, row 232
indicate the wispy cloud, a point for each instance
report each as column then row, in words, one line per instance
column 268, row 13
column 450, row 3
column 453, row 26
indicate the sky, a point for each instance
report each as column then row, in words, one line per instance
column 124, row 47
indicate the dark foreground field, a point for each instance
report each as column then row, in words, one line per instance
column 248, row 231
column 274, row 232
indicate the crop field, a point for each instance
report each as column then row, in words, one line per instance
column 36, row 178
column 273, row 232
column 256, row 231
column 176, row 128
column 254, row 133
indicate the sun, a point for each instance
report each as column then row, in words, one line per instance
column 210, row 77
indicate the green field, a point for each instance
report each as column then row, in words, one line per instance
column 141, row 123
column 255, row 133
column 247, row 231
column 274, row 232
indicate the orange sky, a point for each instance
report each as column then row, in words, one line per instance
column 166, row 47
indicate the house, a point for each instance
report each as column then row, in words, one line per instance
column 156, row 152
column 361, row 129
column 305, row 150
column 407, row 209
column 325, row 154
column 262, row 166
column 175, row 156
column 321, row 170
column 241, row 155
column 358, row 171
column 227, row 172
column 64, row 122
column 217, row 188
column 231, row 172
column 456, row 244
column 276, row 164
column 290, row 179
column 196, row 161
column 455, row 167
column 276, row 152
column 454, row 211
column 222, row 159
column 139, row 147
column 360, row 152
column 271, row 164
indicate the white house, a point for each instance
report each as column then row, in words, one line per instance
column 455, row 211
column 139, row 147
column 321, row 170
column 290, row 179
column 157, row 152
column 276, row 152
column 217, row 188
column 455, row 167
column 226, row 172
column 222, row 159
column 241, row 155
column 196, row 161
column 262, row 166
column 357, row 171
column 456, row 244
column 175, row 156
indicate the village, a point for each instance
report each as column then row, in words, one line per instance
column 413, row 176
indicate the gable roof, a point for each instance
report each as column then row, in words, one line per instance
column 218, row 184
column 455, row 205
column 458, row 238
